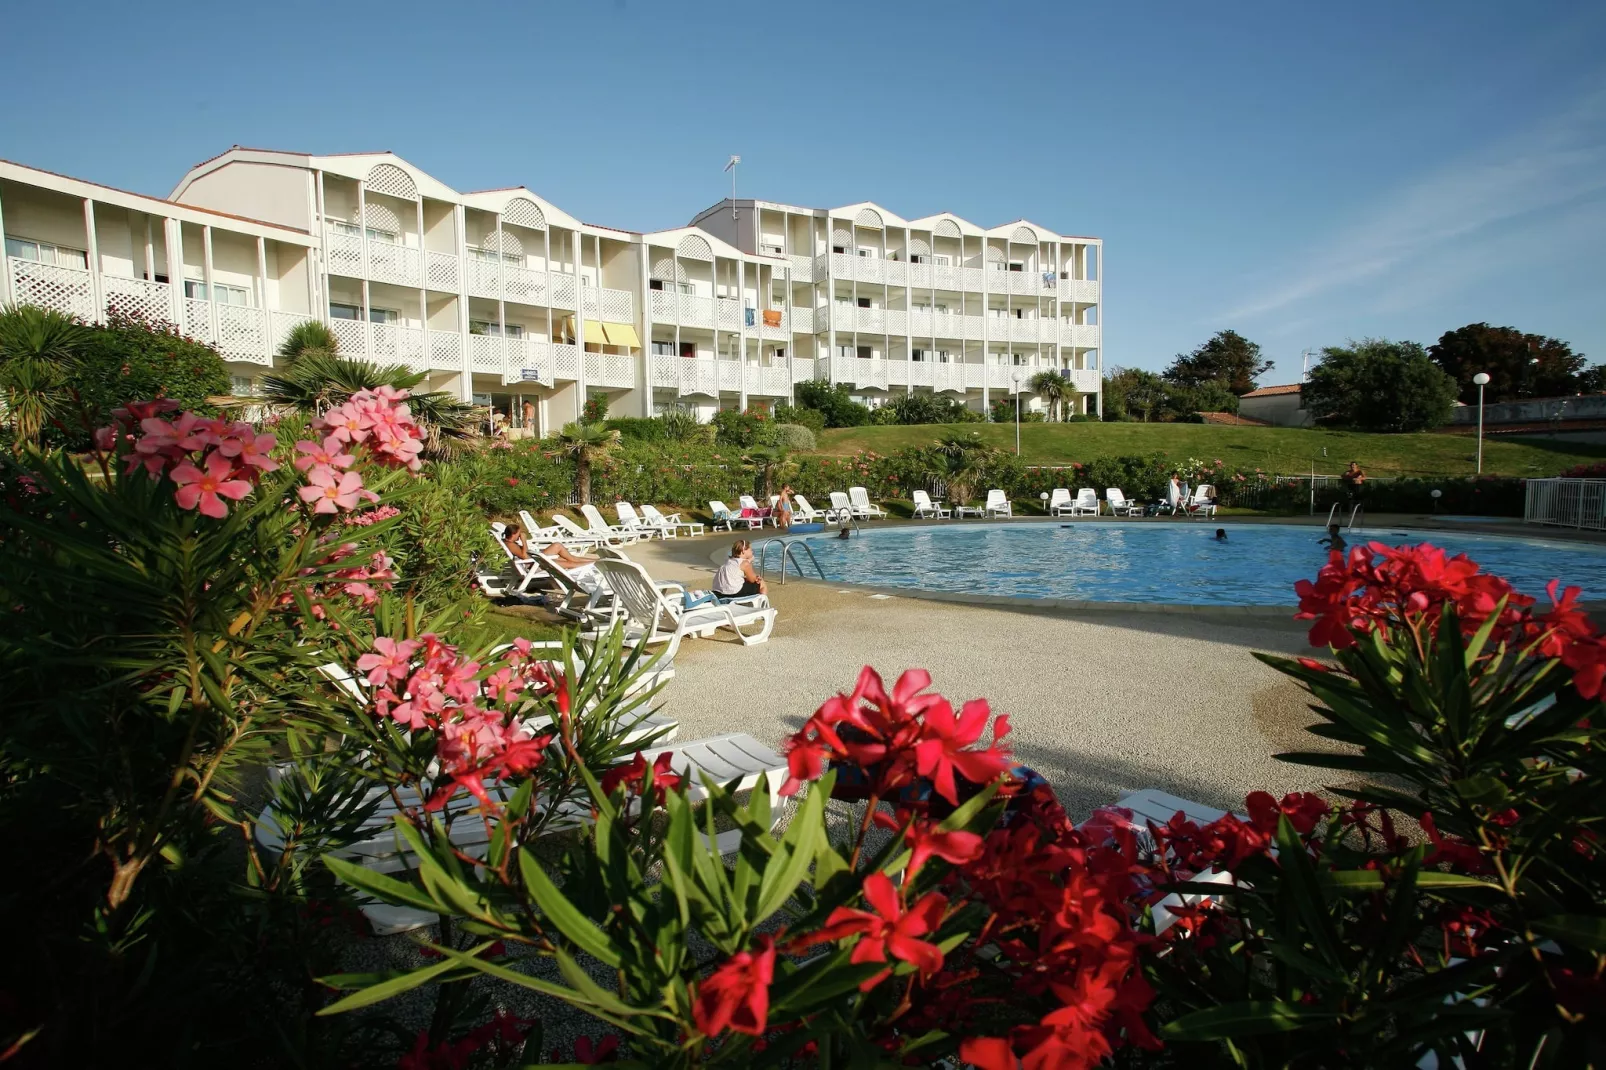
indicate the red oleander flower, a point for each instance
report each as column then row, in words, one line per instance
column 207, row 488
column 891, row 931
column 1304, row 811
column 737, row 994
column 944, row 750
column 925, row 838
column 633, row 776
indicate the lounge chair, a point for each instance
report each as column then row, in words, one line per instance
column 630, row 521
column 1086, row 504
column 729, row 518
column 671, row 523
column 1120, row 504
column 1059, row 501
column 863, row 507
column 997, row 504
column 841, row 508
column 573, row 534
column 653, row 614
column 534, row 532
column 803, row 511
column 1150, row 806
column 747, row 502
column 925, row 507
column 586, row 597
column 598, row 525
column 495, row 584
column 1203, row 502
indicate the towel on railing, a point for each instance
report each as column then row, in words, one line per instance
column 749, row 315
column 772, row 317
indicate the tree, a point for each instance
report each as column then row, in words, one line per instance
column 37, row 347
column 1184, row 403
column 1519, row 365
column 1055, row 389
column 762, row 461
column 958, row 463
column 585, row 445
column 308, row 336
column 1134, row 394
column 1378, row 385
column 318, row 380
column 1228, row 358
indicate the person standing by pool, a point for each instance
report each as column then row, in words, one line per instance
column 783, row 508
column 1354, row 482
column 1173, row 493
column 735, row 577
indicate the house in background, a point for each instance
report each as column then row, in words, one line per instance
column 1280, row 406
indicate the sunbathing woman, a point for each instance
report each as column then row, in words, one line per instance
column 514, row 541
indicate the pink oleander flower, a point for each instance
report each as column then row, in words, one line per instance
column 332, row 491
column 326, row 454
column 207, row 488
column 391, row 660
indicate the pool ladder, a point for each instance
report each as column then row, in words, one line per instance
column 1352, row 514
column 787, row 549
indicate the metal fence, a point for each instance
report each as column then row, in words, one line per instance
column 1570, row 503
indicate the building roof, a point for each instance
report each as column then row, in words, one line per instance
column 1274, row 391
column 1231, row 418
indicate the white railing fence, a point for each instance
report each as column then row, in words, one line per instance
column 1571, row 503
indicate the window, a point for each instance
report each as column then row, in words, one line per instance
column 383, row 315
column 663, row 349
column 839, row 248
column 1020, row 313
column 917, row 354
column 655, row 284
column 940, row 260
column 340, row 226
column 942, row 356
column 773, row 250
column 916, row 258
column 242, row 386
column 45, row 253
column 780, row 352
column 866, row 253
column 354, row 312
column 688, row 350
column 864, row 302
column 864, row 352
column 1016, row 265
column 222, row 293
column 1017, row 359
column 511, row 330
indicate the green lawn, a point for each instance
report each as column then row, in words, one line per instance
column 1276, row 450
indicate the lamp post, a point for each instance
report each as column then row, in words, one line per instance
column 1017, row 377
column 1482, row 379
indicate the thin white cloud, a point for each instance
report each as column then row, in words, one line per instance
column 1557, row 162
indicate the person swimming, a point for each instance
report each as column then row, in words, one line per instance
column 1221, row 534
column 1334, row 542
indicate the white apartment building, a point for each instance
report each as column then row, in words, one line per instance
column 504, row 299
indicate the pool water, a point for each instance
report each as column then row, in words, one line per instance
column 1166, row 562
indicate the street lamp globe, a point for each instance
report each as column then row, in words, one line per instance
column 1481, row 379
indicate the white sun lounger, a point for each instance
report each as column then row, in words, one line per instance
column 747, row 501
column 724, row 514
column 630, row 521
column 1120, row 504
column 802, row 510
column 498, row 584
column 653, row 613
column 1152, row 806
column 671, row 523
column 997, row 504
column 598, row 525
column 573, row 534
column 534, row 532
column 1201, row 504
column 863, row 508
column 1059, row 501
column 925, row 507
column 585, row 591
column 1086, row 504
column 841, row 508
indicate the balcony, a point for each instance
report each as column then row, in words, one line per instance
column 1079, row 290
column 729, row 311
column 441, row 271
column 523, row 285
column 1085, row 380
column 1026, row 330
column 387, row 261
column 610, row 370
column 611, row 306
column 1079, row 335
column 802, row 268
column 804, row 368
column 688, row 310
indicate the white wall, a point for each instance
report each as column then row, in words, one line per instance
column 264, row 191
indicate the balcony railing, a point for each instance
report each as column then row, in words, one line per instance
column 688, row 310
column 610, row 369
column 1078, row 290
column 801, row 320
column 729, row 311
column 802, row 268
column 441, row 271
column 1085, row 380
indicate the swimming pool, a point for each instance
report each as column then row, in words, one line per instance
column 1165, row 562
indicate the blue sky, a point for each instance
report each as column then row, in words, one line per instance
column 1303, row 173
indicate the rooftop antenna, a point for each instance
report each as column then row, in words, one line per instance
column 1304, row 375
column 731, row 167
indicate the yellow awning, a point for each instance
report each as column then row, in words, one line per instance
column 622, row 334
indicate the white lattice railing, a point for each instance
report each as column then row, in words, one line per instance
column 802, row 319
column 699, row 376
column 1085, row 380
column 1022, row 330
column 803, row 368
column 394, row 262
column 484, row 278
column 528, row 360
column 610, row 369
column 920, row 324
column 445, row 351
column 664, row 372
column 974, row 327
column 69, row 291
column 395, row 344
column 242, row 334
column 351, row 337
column 949, row 377
column 618, row 306
column 564, row 289
column 152, row 301
column 781, row 330
column 802, row 268
column 1570, row 503
column 730, row 375
column 1079, row 290
column 1080, row 335
column 896, row 272
column 486, row 353
column 665, row 309
column 565, row 361
column 523, row 285
column 343, row 253
column 198, row 320
column 729, row 311
column 696, row 311
column 944, row 277
column 280, row 324
column 440, row 271
column 897, row 321
column 773, row 380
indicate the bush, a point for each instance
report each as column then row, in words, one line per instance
column 928, row 408
column 681, row 426
column 595, row 410
column 883, row 416
column 1003, row 412
column 639, row 428
column 813, row 419
column 742, row 429
column 794, row 437
column 438, row 536
column 833, row 403
column 132, row 359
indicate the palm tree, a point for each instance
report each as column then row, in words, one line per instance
column 317, row 381
column 764, row 460
column 1053, row 388
column 310, row 336
column 37, row 350
column 958, row 462
column 585, row 444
